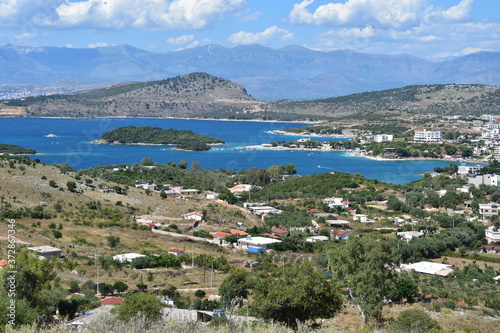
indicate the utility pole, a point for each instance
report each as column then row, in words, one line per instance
column 211, row 274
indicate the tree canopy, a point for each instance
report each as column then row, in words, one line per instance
column 294, row 293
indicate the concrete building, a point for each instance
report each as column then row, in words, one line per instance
column 483, row 179
column 428, row 136
column 492, row 234
column 256, row 244
column 45, row 252
column 429, row 267
column 488, row 210
column 383, row 137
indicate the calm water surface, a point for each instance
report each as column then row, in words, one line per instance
column 73, row 146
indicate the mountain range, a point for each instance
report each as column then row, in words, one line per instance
column 293, row 72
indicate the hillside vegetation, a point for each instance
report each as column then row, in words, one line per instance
column 207, row 96
column 186, row 96
column 471, row 99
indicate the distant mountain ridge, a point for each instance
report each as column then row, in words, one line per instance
column 292, row 72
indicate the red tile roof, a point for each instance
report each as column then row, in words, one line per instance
column 238, row 232
column 279, row 231
column 272, row 236
column 175, row 250
column 3, row 263
column 111, row 300
column 220, row 235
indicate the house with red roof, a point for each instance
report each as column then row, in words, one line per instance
column 279, row 232
column 197, row 216
column 238, row 233
column 176, row 252
column 220, row 236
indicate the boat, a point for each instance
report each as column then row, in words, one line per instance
column 51, row 135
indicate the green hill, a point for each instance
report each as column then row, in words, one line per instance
column 184, row 139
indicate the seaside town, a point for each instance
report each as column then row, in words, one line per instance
column 170, row 236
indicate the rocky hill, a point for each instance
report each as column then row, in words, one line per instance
column 206, row 96
column 187, row 96
column 462, row 99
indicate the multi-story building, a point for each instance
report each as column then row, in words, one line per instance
column 383, row 137
column 428, row 136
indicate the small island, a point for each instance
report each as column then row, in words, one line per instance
column 149, row 135
column 15, row 150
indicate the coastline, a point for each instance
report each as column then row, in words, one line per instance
column 340, row 136
column 180, row 118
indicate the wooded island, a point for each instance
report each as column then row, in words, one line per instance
column 149, row 135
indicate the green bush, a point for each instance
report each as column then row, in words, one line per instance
column 415, row 321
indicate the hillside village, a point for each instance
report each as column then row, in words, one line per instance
column 176, row 237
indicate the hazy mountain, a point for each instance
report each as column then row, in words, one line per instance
column 184, row 96
column 292, row 72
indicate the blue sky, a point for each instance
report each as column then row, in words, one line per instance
column 432, row 29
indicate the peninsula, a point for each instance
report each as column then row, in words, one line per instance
column 15, row 150
column 149, row 135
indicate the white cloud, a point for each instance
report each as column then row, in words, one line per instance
column 181, row 40
column 117, row 14
column 24, row 36
column 248, row 16
column 263, row 37
column 70, row 46
column 393, row 14
column 98, row 44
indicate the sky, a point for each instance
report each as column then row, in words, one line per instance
column 430, row 29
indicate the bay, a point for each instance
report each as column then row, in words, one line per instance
column 72, row 145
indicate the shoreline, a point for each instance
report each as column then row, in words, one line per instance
column 284, row 132
column 178, row 118
column 351, row 153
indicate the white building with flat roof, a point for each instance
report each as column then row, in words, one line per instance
column 492, row 234
column 127, row 257
column 44, row 252
column 479, row 179
column 383, row 137
column 429, row 267
column 428, row 136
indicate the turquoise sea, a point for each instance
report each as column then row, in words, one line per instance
column 73, row 146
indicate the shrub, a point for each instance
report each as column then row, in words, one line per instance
column 416, row 321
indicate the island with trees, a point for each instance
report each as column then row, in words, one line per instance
column 149, row 135
column 15, row 150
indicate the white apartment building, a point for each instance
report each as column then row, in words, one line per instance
column 492, row 234
column 488, row 210
column 477, row 180
column 428, row 136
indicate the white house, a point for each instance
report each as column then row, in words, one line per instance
column 468, row 169
column 483, row 179
column 492, row 234
column 488, row 210
column 383, row 137
column 408, row 235
column 314, row 239
column 362, row 218
column 428, row 136
column 127, row 257
column 336, row 202
column 429, row 267
column 257, row 242
column 259, row 210
column 197, row 216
